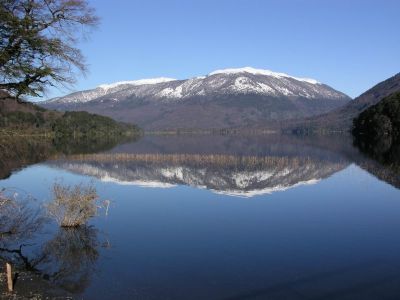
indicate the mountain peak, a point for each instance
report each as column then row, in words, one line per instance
column 261, row 72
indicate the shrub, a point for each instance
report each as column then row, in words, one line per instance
column 73, row 206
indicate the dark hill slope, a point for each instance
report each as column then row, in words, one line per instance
column 377, row 130
column 341, row 119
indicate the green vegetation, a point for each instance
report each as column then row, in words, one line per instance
column 19, row 116
column 85, row 124
column 379, row 121
column 24, row 118
column 377, row 130
column 69, row 124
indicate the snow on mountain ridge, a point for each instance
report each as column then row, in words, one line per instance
column 242, row 183
column 240, row 81
column 136, row 82
column 261, row 72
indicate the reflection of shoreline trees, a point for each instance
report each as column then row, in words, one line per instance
column 383, row 151
column 19, row 152
column 195, row 159
column 20, row 217
column 70, row 258
column 384, row 157
column 383, row 165
column 67, row 260
column 16, row 153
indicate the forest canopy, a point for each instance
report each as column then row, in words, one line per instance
column 377, row 129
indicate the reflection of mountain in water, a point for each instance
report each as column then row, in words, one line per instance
column 281, row 161
column 228, row 174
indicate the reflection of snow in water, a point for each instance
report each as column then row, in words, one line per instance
column 242, row 180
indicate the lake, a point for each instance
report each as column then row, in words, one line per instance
column 209, row 217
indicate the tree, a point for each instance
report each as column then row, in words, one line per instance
column 377, row 130
column 38, row 45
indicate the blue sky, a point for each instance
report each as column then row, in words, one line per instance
column 347, row 44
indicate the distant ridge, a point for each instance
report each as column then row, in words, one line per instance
column 236, row 97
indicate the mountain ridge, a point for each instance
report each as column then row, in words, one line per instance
column 222, row 99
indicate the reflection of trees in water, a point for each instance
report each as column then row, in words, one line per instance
column 21, row 218
column 385, row 155
column 218, row 160
column 66, row 146
column 16, row 153
column 67, row 260
column 384, row 150
column 71, row 257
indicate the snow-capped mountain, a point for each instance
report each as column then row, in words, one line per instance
column 161, row 102
column 105, row 89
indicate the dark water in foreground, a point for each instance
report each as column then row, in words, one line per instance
column 216, row 217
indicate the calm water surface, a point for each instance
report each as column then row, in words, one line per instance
column 218, row 217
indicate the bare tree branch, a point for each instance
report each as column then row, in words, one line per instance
column 38, row 43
